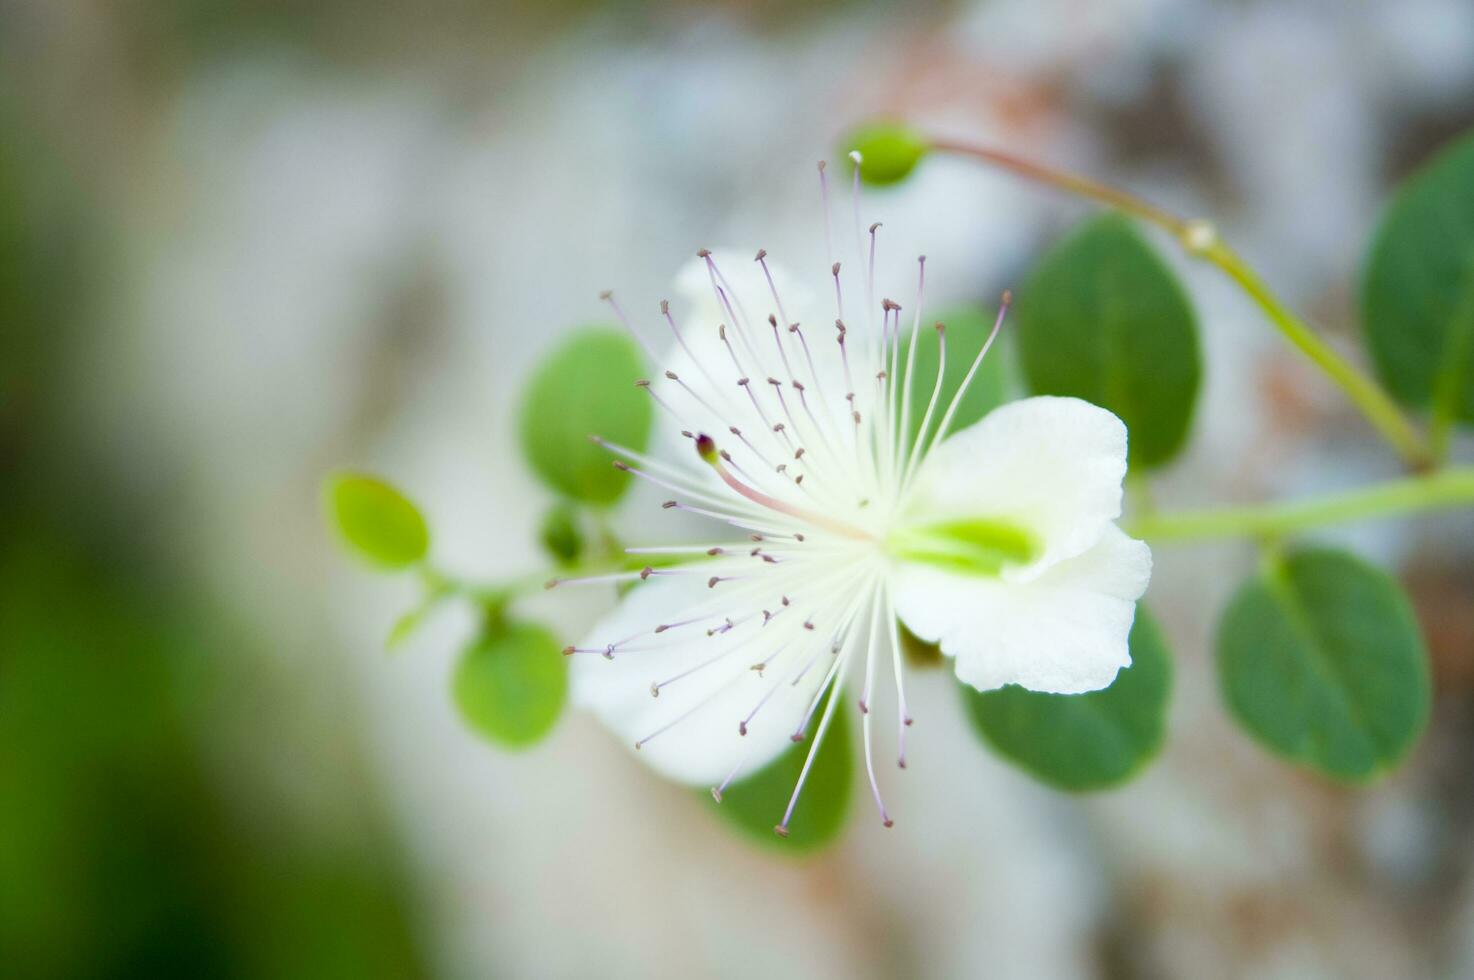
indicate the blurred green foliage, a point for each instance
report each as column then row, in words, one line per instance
column 118, row 855
column 121, row 852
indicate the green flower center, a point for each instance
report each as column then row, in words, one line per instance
column 972, row 546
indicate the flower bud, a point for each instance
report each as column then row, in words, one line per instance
column 888, row 151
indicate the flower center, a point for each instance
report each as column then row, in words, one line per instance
column 972, row 545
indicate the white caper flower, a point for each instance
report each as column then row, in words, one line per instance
column 998, row 542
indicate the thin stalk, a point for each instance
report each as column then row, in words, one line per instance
column 1444, row 489
column 1200, row 239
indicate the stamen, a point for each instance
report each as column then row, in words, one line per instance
column 917, row 454
column 855, row 157
column 903, row 718
column 657, row 686
column 904, row 446
column 737, row 316
column 865, row 709
column 706, row 449
column 608, row 297
column 824, row 196
column 778, row 343
column 967, row 380
column 650, row 390
column 683, row 486
column 762, row 256
column 732, row 519
column 782, row 828
column 681, row 340
column 838, row 295
column 870, row 272
column 843, row 353
column 554, row 583
column 742, row 725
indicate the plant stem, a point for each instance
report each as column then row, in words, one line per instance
column 1434, row 491
column 1374, row 402
column 1200, row 239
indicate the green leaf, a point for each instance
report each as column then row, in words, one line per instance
column 511, row 683
column 1104, row 319
column 888, row 152
column 1089, row 741
column 967, row 328
column 561, row 536
column 1320, row 658
column 585, row 387
column 1417, row 295
column 378, row 522
column 756, row 803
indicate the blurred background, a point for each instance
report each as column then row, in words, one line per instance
column 244, row 243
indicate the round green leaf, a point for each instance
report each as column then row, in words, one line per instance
column 1320, row 658
column 888, row 151
column 1089, row 741
column 1418, row 293
column 967, row 328
column 1104, row 319
column 756, row 803
column 511, row 683
column 378, row 522
column 585, row 387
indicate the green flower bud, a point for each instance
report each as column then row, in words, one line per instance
column 888, row 151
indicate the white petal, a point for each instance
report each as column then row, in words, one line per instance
column 1063, row 632
column 704, row 746
column 707, row 398
column 1052, row 465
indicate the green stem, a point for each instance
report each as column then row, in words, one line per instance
column 1434, row 491
column 1200, row 239
column 1374, row 402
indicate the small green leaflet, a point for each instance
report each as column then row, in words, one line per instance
column 1320, row 658
column 585, row 387
column 375, row 520
column 511, row 682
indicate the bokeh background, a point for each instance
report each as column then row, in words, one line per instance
column 242, row 243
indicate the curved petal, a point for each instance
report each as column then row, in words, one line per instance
column 703, row 743
column 1050, row 465
column 1064, row 632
